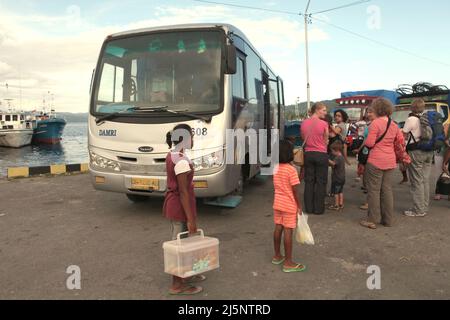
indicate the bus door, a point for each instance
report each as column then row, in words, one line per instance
column 281, row 105
column 271, row 106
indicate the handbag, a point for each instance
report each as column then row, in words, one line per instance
column 444, row 178
column 363, row 154
column 299, row 157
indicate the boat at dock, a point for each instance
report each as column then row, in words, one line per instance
column 48, row 129
column 16, row 129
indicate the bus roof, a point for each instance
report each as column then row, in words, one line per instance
column 227, row 27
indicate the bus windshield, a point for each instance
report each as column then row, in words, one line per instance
column 178, row 70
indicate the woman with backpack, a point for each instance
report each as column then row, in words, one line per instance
column 421, row 160
column 384, row 135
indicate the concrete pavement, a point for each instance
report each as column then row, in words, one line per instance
column 49, row 224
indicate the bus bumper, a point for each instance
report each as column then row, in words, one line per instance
column 211, row 185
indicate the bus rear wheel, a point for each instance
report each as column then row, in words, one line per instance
column 136, row 198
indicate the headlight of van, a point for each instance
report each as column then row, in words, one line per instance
column 211, row 161
column 104, row 163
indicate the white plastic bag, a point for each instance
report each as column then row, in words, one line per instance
column 303, row 233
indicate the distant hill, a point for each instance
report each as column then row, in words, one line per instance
column 302, row 112
column 74, row 117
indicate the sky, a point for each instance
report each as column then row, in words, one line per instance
column 48, row 48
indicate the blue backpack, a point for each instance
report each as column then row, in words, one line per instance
column 432, row 127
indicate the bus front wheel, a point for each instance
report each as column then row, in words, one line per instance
column 136, row 198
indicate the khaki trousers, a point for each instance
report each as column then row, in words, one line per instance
column 380, row 195
column 419, row 172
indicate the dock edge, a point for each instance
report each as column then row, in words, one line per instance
column 57, row 169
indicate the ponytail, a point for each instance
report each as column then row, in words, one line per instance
column 169, row 139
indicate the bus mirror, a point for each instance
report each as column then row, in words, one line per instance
column 231, row 60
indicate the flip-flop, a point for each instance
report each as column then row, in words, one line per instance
column 186, row 291
column 368, row 224
column 278, row 262
column 297, row 268
column 196, row 278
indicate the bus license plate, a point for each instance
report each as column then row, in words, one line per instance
column 144, row 184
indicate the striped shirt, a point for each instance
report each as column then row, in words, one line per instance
column 284, row 179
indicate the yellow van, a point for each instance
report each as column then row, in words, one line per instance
column 402, row 111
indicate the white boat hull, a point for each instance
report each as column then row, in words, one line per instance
column 15, row 138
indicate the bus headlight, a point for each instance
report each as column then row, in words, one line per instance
column 211, row 161
column 104, row 163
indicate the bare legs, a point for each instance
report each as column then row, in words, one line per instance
column 277, row 241
column 339, row 200
column 278, row 233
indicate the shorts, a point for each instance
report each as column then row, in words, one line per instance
column 178, row 227
column 337, row 188
column 286, row 219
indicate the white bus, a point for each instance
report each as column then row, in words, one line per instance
column 147, row 81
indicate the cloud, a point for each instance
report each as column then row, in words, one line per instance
column 4, row 68
column 57, row 53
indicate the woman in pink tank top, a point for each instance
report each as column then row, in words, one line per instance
column 314, row 132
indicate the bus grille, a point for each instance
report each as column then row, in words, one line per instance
column 156, row 169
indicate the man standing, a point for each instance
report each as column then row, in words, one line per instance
column 421, row 161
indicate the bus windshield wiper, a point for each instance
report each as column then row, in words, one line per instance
column 101, row 119
column 166, row 109
column 112, row 115
column 109, row 116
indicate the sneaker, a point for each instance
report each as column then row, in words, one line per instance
column 421, row 215
column 410, row 213
column 364, row 206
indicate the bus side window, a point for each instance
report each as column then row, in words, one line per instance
column 239, row 80
column 445, row 112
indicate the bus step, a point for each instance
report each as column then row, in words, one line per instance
column 261, row 178
column 227, row 201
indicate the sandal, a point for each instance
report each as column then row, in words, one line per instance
column 186, row 291
column 196, row 278
column 334, row 207
column 278, row 262
column 297, row 268
column 364, row 206
column 368, row 224
column 341, row 207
